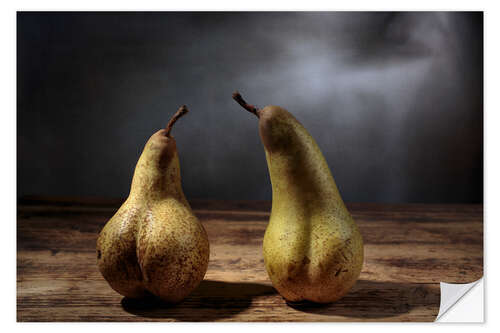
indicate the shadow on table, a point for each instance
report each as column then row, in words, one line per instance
column 215, row 300
column 376, row 300
column 212, row 300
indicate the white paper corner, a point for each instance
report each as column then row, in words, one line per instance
column 462, row 303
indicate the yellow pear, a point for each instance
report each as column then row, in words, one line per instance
column 313, row 250
column 154, row 244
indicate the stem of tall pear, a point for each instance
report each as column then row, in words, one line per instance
column 182, row 111
column 249, row 107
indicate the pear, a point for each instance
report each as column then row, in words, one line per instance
column 313, row 250
column 154, row 244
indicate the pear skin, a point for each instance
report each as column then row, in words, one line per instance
column 313, row 250
column 154, row 244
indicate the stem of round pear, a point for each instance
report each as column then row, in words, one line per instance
column 249, row 107
column 182, row 111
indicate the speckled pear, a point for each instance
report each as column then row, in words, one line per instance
column 313, row 250
column 154, row 244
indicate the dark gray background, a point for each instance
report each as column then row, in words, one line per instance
column 394, row 100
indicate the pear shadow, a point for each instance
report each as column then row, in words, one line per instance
column 212, row 300
column 377, row 300
column 367, row 300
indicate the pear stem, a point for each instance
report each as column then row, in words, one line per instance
column 249, row 107
column 182, row 111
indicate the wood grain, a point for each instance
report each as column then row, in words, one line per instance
column 409, row 249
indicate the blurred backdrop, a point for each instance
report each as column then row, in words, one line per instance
column 394, row 100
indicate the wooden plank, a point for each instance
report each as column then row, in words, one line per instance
column 227, row 301
column 409, row 249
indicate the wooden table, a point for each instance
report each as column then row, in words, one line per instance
column 409, row 249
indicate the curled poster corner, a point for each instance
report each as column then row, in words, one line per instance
column 461, row 302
